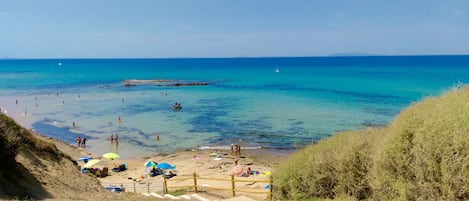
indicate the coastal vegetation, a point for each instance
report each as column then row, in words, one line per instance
column 422, row 155
column 33, row 168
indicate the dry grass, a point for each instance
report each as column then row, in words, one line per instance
column 422, row 155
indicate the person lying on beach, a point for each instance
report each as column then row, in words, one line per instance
column 120, row 168
column 170, row 174
column 155, row 172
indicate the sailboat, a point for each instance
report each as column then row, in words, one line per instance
column 277, row 70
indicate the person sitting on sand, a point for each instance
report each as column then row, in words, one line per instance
column 246, row 173
column 170, row 174
column 155, row 172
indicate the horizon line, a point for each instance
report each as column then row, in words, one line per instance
column 240, row 57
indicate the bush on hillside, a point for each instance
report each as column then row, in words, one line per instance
column 422, row 155
column 427, row 157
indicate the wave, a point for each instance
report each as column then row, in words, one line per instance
column 226, row 147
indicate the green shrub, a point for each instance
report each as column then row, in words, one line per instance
column 422, row 155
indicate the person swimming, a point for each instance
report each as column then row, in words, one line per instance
column 177, row 106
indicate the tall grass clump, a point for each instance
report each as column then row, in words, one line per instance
column 422, row 155
column 339, row 165
column 427, row 157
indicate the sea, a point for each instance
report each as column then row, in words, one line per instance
column 259, row 103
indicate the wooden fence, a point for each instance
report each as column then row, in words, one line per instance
column 233, row 189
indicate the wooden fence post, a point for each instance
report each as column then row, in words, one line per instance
column 233, row 185
column 195, row 182
column 165, row 185
column 270, row 186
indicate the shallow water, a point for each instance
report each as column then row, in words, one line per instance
column 247, row 102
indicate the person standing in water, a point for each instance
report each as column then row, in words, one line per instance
column 83, row 142
column 112, row 138
column 78, row 141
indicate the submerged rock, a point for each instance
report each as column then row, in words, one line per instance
column 175, row 83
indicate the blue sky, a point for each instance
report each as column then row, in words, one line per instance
column 231, row 28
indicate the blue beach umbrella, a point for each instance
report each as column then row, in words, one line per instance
column 166, row 166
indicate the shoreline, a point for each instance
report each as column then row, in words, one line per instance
column 187, row 162
column 98, row 142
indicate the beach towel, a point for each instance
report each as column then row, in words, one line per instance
column 266, row 173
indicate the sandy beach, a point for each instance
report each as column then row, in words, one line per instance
column 216, row 164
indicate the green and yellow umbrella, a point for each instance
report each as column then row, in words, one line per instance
column 111, row 156
column 91, row 163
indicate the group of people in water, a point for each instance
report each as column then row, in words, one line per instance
column 236, row 148
column 81, row 142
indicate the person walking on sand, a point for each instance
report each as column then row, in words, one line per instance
column 116, row 138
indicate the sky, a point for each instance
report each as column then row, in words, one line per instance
column 231, row 28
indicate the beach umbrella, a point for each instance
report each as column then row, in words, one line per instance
column 91, row 163
column 111, row 156
column 237, row 170
column 167, row 166
column 150, row 164
column 85, row 158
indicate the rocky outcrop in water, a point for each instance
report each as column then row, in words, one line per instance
column 175, row 83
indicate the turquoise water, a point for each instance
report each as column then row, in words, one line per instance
column 247, row 102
